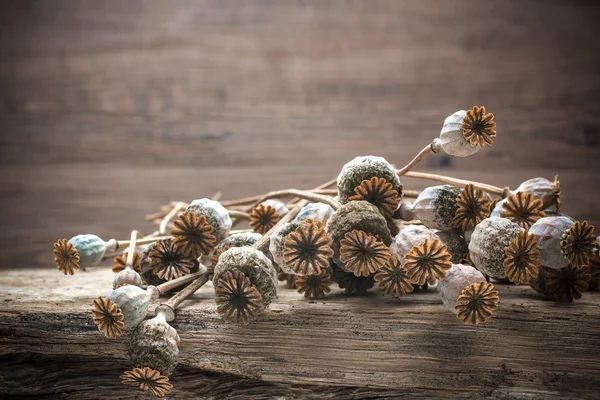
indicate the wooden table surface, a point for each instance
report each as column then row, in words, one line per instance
column 109, row 109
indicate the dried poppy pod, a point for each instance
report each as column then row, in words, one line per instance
column 472, row 207
column 361, row 169
column 133, row 302
column 394, row 278
column 128, row 276
column 215, row 214
column 548, row 192
column 522, row 258
column 266, row 214
column 427, row 262
column 316, row 211
column 120, row 262
column 315, row 286
column 360, row 216
column 435, row 207
column 568, row 283
column 488, row 242
column 475, row 305
column 409, row 237
column 245, row 282
column 307, row 250
column 277, row 244
column 457, row 245
column 548, row 232
column 465, row 132
column 153, row 352
column 594, row 267
column 163, row 261
column 352, row 284
column 578, row 243
column 235, row 240
column 81, row 251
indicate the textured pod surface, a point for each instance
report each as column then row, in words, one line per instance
column 408, row 237
column 316, row 211
column 276, row 246
column 435, row 207
column 498, row 208
column 255, row 265
column 452, row 140
column 359, row 215
column 133, row 302
column 277, row 205
column 90, row 248
column 154, row 343
column 541, row 189
column 216, row 215
column 457, row 245
column 127, row 277
column 488, row 241
column 362, row 168
column 457, row 279
column 240, row 239
column 548, row 232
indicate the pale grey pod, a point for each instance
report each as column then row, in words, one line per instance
column 356, row 215
column 408, row 237
column 277, row 242
column 127, row 277
column 363, row 168
column 457, row 245
column 139, row 250
column 488, row 241
column 255, row 265
column 216, row 215
column 499, row 208
column 90, row 248
column 435, row 207
column 452, row 140
column 457, row 279
column 541, row 189
column 240, row 239
column 316, row 211
column 277, row 205
column 133, row 302
column 548, row 232
column 154, row 344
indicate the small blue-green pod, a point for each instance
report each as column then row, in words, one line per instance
column 133, row 302
column 90, row 248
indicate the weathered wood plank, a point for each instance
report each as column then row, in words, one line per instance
column 342, row 347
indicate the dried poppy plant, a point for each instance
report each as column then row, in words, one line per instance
column 263, row 218
column 289, row 279
column 522, row 259
column 479, row 127
column 378, row 192
column 194, row 235
column 363, row 254
column 168, row 260
column 66, row 256
column 237, row 299
column 121, row 261
column 352, row 284
column 567, row 284
column 148, row 379
column 314, row 286
column 393, row 278
column 472, row 207
column 476, row 303
column 215, row 257
column 108, row 317
column 523, row 209
column 427, row 262
column 307, row 250
column 578, row 243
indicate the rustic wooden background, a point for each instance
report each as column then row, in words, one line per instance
column 109, row 109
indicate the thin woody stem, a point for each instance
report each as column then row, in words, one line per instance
column 238, row 214
column 189, row 290
column 144, row 240
column 175, row 283
column 303, row 194
column 162, row 229
column 132, row 244
column 427, row 151
column 457, row 182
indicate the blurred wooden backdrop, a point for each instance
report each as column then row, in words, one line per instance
column 109, row 109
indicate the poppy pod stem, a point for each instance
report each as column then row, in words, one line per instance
column 303, row 194
column 124, row 243
column 458, row 182
column 238, row 214
column 423, row 154
column 162, row 229
column 168, row 308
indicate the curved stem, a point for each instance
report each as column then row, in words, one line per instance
column 162, row 229
column 411, row 193
column 428, row 150
column 168, row 308
column 303, row 194
column 175, row 283
column 457, row 182
column 238, row 214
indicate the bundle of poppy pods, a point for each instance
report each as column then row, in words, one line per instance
column 458, row 235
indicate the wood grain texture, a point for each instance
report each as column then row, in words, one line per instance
column 339, row 347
